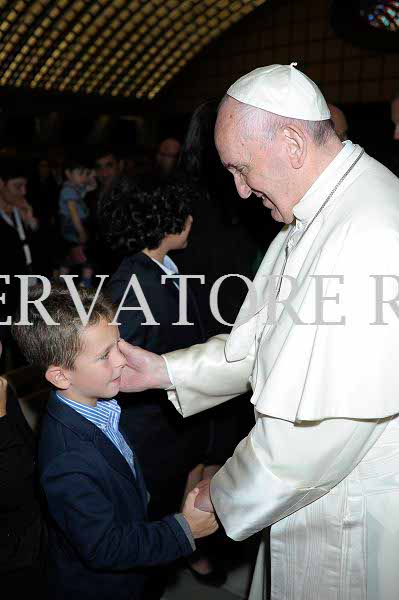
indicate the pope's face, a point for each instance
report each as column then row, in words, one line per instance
column 258, row 168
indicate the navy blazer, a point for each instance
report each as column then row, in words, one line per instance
column 163, row 300
column 100, row 537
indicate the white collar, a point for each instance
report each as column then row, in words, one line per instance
column 307, row 207
column 168, row 266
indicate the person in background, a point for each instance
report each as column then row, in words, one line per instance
column 22, row 530
column 17, row 233
column 149, row 223
column 339, row 121
column 43, row 192
column 108, row 165
column 393, row 163
column 167, row 156
column 219, row 215
column 395, row 116
column 13, row 190
column 74, row 214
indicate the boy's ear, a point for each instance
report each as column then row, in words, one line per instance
column 58, row 377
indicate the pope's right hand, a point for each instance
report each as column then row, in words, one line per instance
column 144, row 370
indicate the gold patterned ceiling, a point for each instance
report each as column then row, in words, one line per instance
column 109, row 48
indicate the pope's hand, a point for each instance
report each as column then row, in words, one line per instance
column 203, row 500
column 144, row 370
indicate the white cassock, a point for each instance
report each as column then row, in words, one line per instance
column 321, row 464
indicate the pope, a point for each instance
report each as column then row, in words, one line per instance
column 321, row 465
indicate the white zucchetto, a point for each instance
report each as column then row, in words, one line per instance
column 282, row 90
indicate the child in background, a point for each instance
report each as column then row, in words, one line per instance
column 101, row 541
column 73, row 216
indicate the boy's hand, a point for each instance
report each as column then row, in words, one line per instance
column 201, row 523
column 203, row 500
column 144, row 370
column 3, row 397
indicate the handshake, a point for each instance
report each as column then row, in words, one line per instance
column 198, row 511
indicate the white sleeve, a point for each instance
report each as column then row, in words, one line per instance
column 203, row 378
column 170, row 374
column 280, row 467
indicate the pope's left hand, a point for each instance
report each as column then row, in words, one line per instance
column 203, row 500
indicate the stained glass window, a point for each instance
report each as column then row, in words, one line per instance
column 383, row 15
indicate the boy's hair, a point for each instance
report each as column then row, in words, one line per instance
column 136, row 215
column 13, row 168
column 77, row 162
column 103, row 151
column 44, row 345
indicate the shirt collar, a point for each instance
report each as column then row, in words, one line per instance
column 317, row 193
column 105, row 414
column 168, row 266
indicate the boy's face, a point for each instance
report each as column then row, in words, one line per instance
column 79, row 177
column 178, row 241
column 98, row 367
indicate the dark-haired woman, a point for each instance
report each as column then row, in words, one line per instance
column 148, row 224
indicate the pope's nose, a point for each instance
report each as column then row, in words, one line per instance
column 242, row 188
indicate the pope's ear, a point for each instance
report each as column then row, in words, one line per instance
column 296, row 146
column 58, row 377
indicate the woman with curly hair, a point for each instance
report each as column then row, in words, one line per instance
column 145, row 224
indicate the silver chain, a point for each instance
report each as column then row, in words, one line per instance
column 330, row 195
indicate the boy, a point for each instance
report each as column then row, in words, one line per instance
column 74, row 216
column 100, row 538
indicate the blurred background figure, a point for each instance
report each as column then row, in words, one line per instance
column 229, row 235
column 395, row 116
column 43, row 192
column 108, row 166
column 14, row 179
column 74, row 214
column 16, row 231
column 167, row 156
column 340, row 123
column 22, row 531
column 147, row 222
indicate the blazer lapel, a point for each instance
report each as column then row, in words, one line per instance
column 112, row 455
column 88, row 431
column 139, row 479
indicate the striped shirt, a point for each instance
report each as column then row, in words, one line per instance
column 106, row 417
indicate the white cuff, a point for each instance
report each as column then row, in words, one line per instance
column 171, row 387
